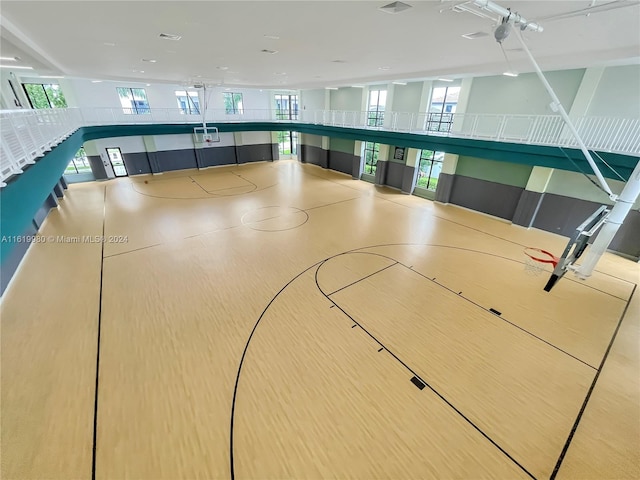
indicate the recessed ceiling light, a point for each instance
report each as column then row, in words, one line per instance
column 148, row 84
column 149, row 60
column 10, row 59
column 331, row 88
column 474, row 35
column 384, row 68
column 399, row 83
column 170, row 36
column 445, row 80
column 222, row 68
column 272, row 37
column 109, row 44
column 280, row 73
column 395, row 7
column 51, row 76
column 270, row 52
column 510, row 74
column 16, row 67
column 357, row 86
column 96, row 81
column 137, row 71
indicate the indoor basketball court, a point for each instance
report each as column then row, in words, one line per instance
column 278, row 320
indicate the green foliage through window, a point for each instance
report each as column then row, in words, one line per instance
column 45, row 95
column 78, row 164
column 233, row 103
column 429, row 169
column 371, row 152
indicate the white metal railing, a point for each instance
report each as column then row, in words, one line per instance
column 28, row 134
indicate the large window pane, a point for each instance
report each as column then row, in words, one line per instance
column 133, row 100
column 429, row 169
column 45, row 95
column 233, row 103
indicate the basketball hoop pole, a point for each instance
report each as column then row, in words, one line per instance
column 618, row 213
column 557, row 106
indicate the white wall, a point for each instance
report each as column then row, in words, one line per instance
column 407, row 98
column 133, row 144
column 88, row 94
column 254, row 138
column 618, row 93
column 173, row 142
column 347, row 98
column 576, row 185
column 524, row 94
column 312, row 100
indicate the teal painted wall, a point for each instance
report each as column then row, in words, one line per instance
column 348, row 98
column 22, row 197
column 492, row 171
column 576, row 185
column 311, row 140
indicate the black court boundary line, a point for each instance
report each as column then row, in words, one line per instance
column 459, row 295
column 465, row 249
column 95, row 400
column 363, row 278
column 210, row 196
column 590, row 391
column 224, row 229
column 354, row 250
column 381, row 197
column 415, row 374
column 248, row 224
column 244, row 353
column 212, row 192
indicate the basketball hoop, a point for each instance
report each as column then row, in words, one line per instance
column 535, row 264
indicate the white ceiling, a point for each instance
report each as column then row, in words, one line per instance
column 222, row 40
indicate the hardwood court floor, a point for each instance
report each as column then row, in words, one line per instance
column 277, row 320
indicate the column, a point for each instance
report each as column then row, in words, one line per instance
column 446, row 178
column 532, row 196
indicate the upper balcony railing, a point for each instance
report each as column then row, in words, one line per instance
column 28, row 134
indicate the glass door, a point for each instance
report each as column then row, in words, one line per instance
column 117, row 162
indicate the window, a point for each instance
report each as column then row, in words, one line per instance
column 287, row 143
column 133, row 101
column 371, row 152
column 189, row 102
column 286, row 107
column 78, row 164
column 429, row 169
column 441, row 109
column 232, row 103
column 375, row 111
column 45, row 95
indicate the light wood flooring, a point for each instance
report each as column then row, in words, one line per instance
column 277, row 320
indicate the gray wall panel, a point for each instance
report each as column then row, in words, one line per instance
column 212, row 157
column 43, row 211
column 395, row 174
column 527, row 208
column 409, row 176
column 136, row 163
column 314, row 155
column 255, row 153
column 11, row 262
column 492, row 198
column 340, row 161
column 99, row 173
column 175, row 160
column 561, row 215
column 444, row 188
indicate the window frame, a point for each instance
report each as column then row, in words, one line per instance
column 134, row 109
column 375, row 118
column 233, row 108
column 374, row 149
column 430, row 157
column 46, row 94
column 191, row 107
column 441, row 121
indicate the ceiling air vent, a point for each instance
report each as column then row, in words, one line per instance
column 270, row 52
column 395, row 7
column 170, row 36
column 474, row 35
